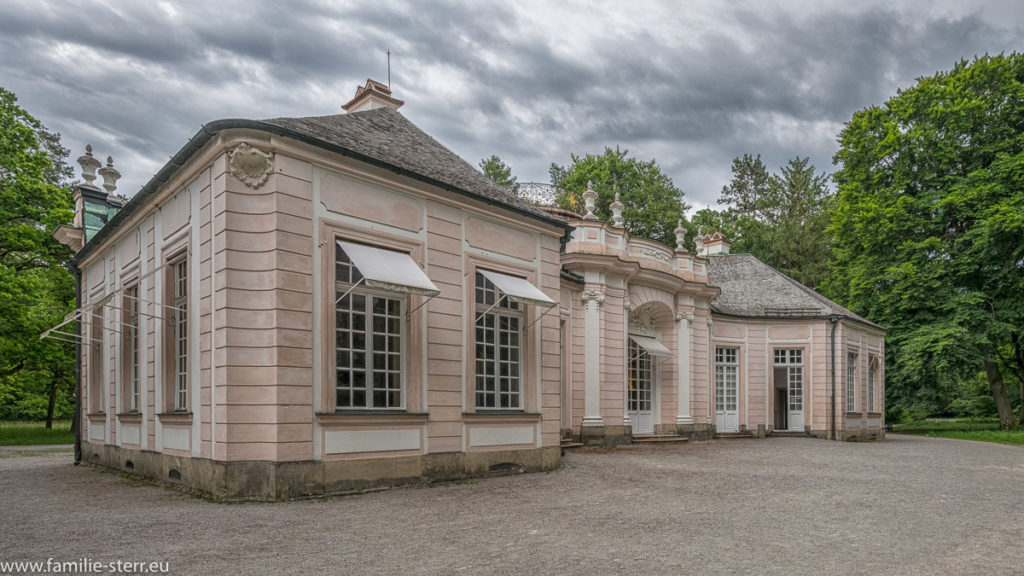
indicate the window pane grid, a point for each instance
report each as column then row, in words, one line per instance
column 639, row 386
column 487, row 294
column 795, row 376
column 851, row 382
column 726, row 379
column 498, row 349
column 344, row 271
column 132, row 309
column 871, row 385
column 368, row 344
column 789, row 356
column 180, row 287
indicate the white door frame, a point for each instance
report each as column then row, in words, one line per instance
column 795, row 417
column 727, row 380
column 642, row 421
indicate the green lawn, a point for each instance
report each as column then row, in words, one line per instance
column 980, row 430
column 33, row 433
column 963, row 425
column 998, row 436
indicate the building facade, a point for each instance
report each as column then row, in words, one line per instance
column 312, row 305
column 661, row 342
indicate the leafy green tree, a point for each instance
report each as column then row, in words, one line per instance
column 750, row 186
column 35, row 290
column 557, row 175
column 799, row 213
column 495, row 169
column 653, row 204
column 780, row 218
column 929, row 230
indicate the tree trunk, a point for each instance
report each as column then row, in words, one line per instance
column 995, row 382
column 1018, row 369
column 53, row 400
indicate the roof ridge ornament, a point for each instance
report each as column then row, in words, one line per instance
column 589, row 199
column 110, row 175
column 617, row 208
column 89, row 166
column 680, row 237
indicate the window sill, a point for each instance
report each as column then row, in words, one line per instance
column 175, row 418
column 504, row 416
column 130, row 416
column 96, row 416
column 372, row 417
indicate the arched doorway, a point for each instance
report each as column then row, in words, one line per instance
column 644, row 356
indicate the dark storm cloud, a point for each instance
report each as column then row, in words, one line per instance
column 526, row 83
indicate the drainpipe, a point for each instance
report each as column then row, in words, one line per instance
column 834, row 320
column 76, row 425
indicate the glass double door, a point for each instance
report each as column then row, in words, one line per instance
column 640, row 390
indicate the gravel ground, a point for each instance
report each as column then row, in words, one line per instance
column 908, row 505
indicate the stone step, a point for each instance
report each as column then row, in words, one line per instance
column 733, row 435
column 569, row 444
column 789, row 434
column 657, row 438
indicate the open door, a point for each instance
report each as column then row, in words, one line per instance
column 789, row 388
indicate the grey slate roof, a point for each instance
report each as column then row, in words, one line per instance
column 753, row 289
column 385, row 135
column 382, row 137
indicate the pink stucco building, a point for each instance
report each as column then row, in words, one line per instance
column 309, row 305
column 663, row 342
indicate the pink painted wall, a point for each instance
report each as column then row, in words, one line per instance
column 256, row 258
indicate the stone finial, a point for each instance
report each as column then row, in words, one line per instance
column 680, row 237
column 617, row 208
column 589, row 200
column 89, row 166
column 699, row 241
column 110, row 176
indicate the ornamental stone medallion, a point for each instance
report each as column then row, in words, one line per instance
column 250, row 165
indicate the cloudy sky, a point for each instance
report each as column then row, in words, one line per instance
column 689, row 84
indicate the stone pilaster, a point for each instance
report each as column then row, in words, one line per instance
column 683, row 321
column 592, row 301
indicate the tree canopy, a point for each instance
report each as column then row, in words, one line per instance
column 653, row 203
column 781, row 218
column 35, row 290
column 495, row 169
column 929, row 230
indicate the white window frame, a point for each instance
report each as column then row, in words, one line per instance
column 851, row 381
column 872, row 375
column 347, row 291
column 726, row 367
column 131, row 351
column 179, row 335
column 97, row 398
column 641, row 371
column 492, row 308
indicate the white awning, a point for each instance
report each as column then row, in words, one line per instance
column 389, row 269
column 652, row 346
column 518, row 289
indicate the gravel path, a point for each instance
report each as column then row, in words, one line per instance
column 908, row 505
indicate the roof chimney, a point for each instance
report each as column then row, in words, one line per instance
column 372, row 95
column 716, row 243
